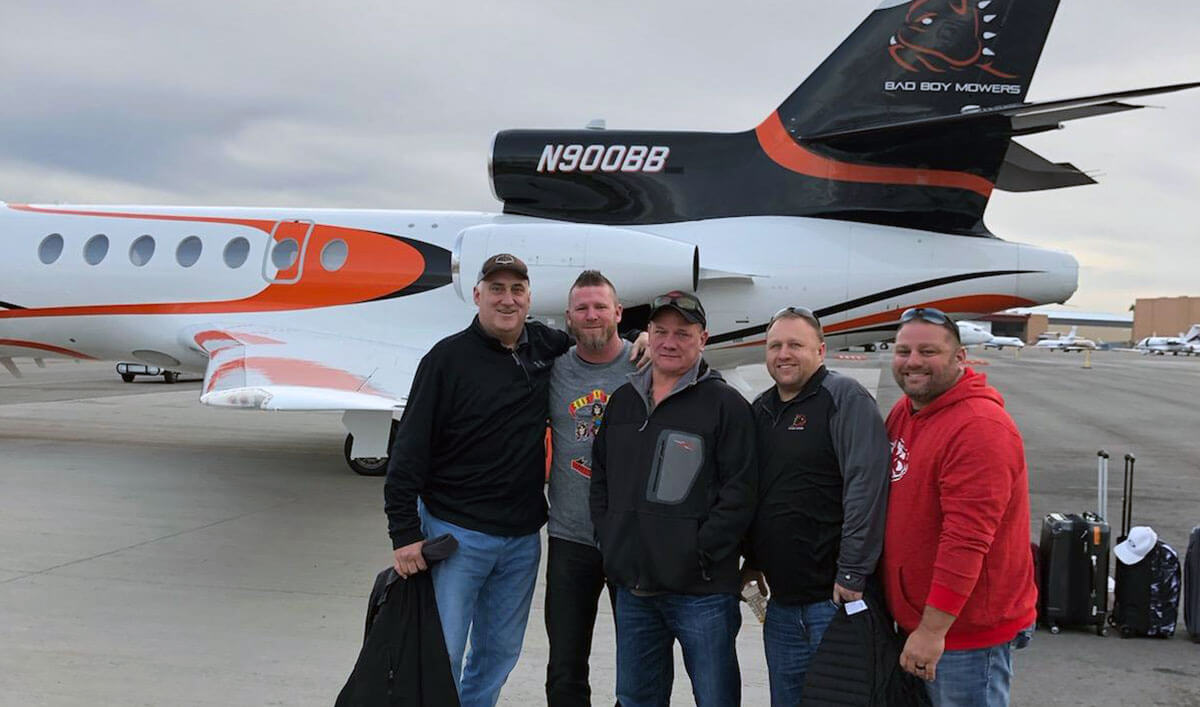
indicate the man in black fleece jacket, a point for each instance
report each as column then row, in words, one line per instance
column 471, row 445
column 823, row 487
column 674, row 477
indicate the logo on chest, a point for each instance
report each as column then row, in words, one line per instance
column 899, row 466
column 798, row 422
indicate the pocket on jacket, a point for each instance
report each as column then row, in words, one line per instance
column 673, row 559
column 909, row 582
column 678, row 459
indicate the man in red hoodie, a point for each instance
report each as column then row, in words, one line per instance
column 956, row 566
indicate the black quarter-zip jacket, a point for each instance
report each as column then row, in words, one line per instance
column 471, row 440
column 673, row 488
column 822, row 490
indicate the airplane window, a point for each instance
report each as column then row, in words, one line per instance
column 141, row 251
column 284, row 253
column 95, row 249
column 333, row 255
column 51, row 248
column 236, row 252
column 188, row 251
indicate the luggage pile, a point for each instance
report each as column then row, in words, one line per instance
column 1072, row 571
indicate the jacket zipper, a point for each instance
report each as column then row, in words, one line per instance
column 517, row 360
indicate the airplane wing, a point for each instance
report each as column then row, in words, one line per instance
column 292, row 370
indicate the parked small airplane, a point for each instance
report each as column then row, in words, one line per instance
column 1187, row 344
column 1003, row 342
column 1067, row 342
column 1163, row 345
column 861, row 195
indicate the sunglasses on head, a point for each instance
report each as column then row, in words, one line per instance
column 933, row 316
column 802, row 312
column 677, row 299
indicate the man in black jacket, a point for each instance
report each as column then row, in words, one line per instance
column 818, row 528
column 674, row 477
column 471, row 445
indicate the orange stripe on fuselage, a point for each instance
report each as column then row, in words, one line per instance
column 785, row 151
column 45, row 347
column 377, row 265
column 966, row 303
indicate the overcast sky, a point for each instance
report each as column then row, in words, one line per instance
column 393, row 105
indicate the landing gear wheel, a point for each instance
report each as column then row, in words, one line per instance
column 368, row 466
column 170, row 376
column 884, row 346
column 127, row 377
column 1102, row 630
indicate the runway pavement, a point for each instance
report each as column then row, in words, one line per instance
column 156, row 552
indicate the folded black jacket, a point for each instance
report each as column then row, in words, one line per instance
column 673, row 490
column 404, row 659
column 858, row 663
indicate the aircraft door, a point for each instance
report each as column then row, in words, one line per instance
column 286, row 248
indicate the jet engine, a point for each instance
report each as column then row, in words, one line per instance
column 641, row 265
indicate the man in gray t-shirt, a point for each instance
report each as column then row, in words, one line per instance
column 580, row 385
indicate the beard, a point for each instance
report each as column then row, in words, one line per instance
column 933, row 386
column 593, row 339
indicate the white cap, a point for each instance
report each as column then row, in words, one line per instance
column 1135, row 547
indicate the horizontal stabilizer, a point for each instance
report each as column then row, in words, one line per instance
column 1029, row 116
column 1025, row 170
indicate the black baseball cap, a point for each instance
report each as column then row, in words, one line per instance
column 503, row 261
column 687, row 305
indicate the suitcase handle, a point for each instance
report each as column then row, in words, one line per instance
column 1102, row 484
column 1127, row 499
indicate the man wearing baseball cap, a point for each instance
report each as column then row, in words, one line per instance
column 470, row 445
column 956, row 568
column 674, row 477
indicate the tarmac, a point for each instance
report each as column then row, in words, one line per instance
column 157, row 552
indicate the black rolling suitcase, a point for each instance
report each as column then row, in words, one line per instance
column 1146, row 601
column 1073, row 564
column 1191, row 586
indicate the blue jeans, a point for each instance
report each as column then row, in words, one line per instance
column 706, row 627
column 484, row 589
column 791, row 635
column 976, row 678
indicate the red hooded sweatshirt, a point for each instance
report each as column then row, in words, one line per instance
column 958, row 517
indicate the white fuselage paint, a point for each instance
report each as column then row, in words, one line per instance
column 754, row 266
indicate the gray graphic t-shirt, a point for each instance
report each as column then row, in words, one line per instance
column 578, row 395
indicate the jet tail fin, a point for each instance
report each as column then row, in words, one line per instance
column 1193, row 335
column 915, row 59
